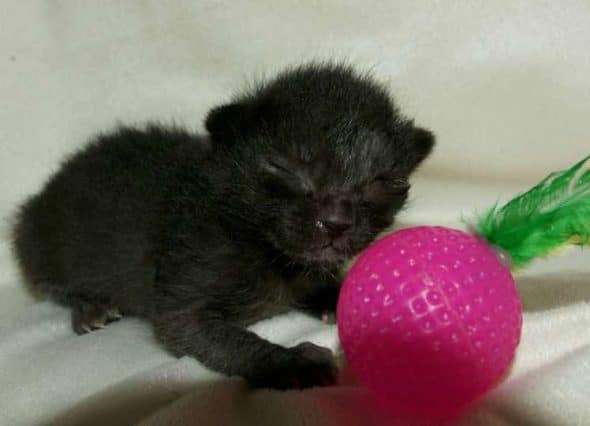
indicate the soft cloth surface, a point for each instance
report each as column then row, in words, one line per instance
column 504, row 84
column 120, row 375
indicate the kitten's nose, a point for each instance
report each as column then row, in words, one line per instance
column 336, row 218
column 336, row 226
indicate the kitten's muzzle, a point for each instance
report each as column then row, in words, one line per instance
column 336, row 216
column 334, row 229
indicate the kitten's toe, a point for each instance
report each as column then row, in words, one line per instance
column 314, row 366
column 81, row 328
column 314, row 352
column 87, row 317
column 113, row 314
column 317, row 366
column 307, row 365
column 99, row 322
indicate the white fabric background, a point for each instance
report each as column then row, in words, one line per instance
column 504, row 84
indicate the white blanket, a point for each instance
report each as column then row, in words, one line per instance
column 504, row 84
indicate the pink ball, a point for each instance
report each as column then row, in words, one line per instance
column 429, row 319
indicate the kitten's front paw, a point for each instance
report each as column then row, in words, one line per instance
column 307, row 365
column 87, row 317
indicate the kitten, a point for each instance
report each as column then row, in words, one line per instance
column 202, row 235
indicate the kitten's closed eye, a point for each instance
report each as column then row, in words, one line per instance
column 394, row 185
column 383, row 188
column 282, row 181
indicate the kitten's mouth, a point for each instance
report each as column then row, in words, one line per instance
column 329, row 253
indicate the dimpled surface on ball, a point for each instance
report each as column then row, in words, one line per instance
column 429, row 319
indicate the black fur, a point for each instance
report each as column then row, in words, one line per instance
column 204, row 235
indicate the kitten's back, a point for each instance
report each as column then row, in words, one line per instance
column 89, row 229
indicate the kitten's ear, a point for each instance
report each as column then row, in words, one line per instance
column 225, row 122
column 421, row 145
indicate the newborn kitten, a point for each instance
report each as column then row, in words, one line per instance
column 202, row 235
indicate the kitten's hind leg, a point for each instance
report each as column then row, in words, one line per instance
column 89, row 316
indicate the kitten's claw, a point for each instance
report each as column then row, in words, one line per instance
column 113, row 314
column 87, row 317
column 99, row 322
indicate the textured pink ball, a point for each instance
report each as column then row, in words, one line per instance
column 429, row 319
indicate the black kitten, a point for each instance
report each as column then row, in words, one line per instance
column 204, row 235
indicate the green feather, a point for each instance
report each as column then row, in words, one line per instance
column 554, row 213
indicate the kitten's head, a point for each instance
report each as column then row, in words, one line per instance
column 318, row 159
